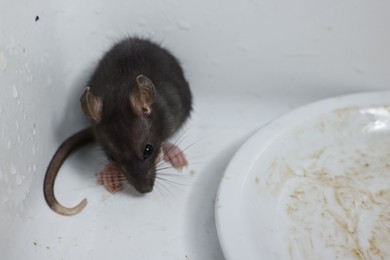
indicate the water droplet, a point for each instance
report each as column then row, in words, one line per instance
column 97, row 11
column 5, row 198
column 34, row 132
column 3, row 62
column 29, row 78
column 9, row 190
column 14, row 91
column 243, row 47
column 360, row 69
column 185, row 26
column 316, row 37
column 21, row 208
column 9, row 144
column 18, row 180
column 34, row 149
column 49, row 80
column 17, row 125
column 142, row 22
column 34, row 167
column 12, row 169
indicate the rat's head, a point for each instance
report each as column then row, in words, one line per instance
column 126, row 133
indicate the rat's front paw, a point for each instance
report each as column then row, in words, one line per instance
column 174, row 156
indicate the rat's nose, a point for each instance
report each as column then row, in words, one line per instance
column 145, row 185
column 144, row 188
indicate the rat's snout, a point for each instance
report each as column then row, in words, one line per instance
column 144, row 188
column 144, row 185
column 141, row 181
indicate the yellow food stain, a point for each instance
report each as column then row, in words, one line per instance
column 331, row 207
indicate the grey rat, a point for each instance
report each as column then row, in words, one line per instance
column 136, row 99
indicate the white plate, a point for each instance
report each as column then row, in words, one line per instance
column 313, row 184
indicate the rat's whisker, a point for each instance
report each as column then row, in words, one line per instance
column 124, row 189
column 182, row 135
column 172, row 181
column 174, row 175
column 173, row 184
column 100, row 161
column 159, row 195
column 166, row 192
column 163, row 162
column 164, row 168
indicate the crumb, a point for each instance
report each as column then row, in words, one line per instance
column 192, row 173
column 257, row 180
column 35, row 243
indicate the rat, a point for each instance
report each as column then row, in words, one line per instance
column 136, row 99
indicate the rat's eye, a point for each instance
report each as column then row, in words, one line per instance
column 148, row 151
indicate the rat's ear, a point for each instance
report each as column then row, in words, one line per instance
column 142, row 97
column 91, row 105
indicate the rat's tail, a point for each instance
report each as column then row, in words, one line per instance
column 72, row 143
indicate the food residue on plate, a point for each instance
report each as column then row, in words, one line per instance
column 347, row 214
column 334, row 189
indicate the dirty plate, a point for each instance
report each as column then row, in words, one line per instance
column 313, row 184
